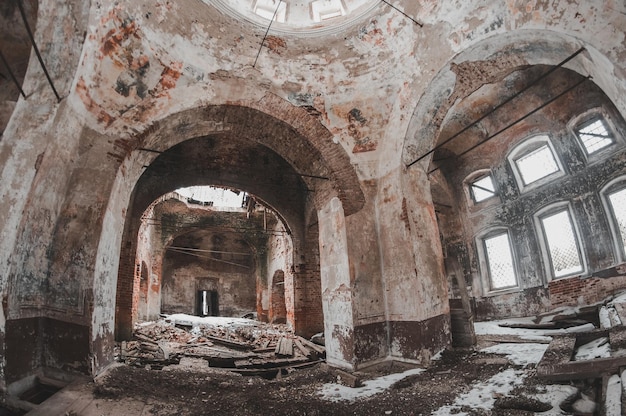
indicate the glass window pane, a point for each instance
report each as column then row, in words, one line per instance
column 618, row 203
column 595, row 136
column 562, row 244
column 483, row 189
column 500, row 261
column 537, row 164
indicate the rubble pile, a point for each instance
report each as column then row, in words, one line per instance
column 241, row 345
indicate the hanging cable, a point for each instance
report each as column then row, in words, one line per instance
column 508, row 126
column 266, row 33
column 32, row 41
column 17, row 84
column 508, row 100
column 208, row 257
column 404, row 14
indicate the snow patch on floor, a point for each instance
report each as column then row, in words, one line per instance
column 336, row 392
column 519, row 354
column 484, row 394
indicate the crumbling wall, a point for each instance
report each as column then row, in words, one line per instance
column 279, row 292
column 537, row 291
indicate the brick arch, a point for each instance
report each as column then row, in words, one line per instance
column 240, row 147
column 275, row 123
column 490, row 61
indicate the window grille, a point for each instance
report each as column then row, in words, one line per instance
column 483, row 189
column 618, row 204
column 595, row 136
column 562, row 244
column 536, row 165
column 500, row 261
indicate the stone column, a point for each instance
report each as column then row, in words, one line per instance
column 336, row 285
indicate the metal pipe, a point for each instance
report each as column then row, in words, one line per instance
column 508, row 100
column 265, row 36
column 550, row 101
column 17, row 84
column 404, row 14
column 32, row 41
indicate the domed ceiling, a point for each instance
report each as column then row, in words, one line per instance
column 303, row 16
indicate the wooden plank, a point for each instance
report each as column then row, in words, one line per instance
column 347, row 379
column 512, row 339
column 579, row 370
column 230, row 343
column 556, row 364
column 284, row 347
column 305, row 351
column 165, row 350
column 144, row 338
column 620, row 308
column 275, row 363
column 318, row 348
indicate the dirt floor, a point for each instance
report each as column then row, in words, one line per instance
column 198, row 390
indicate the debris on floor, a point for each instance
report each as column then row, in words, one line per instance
column 241, row 345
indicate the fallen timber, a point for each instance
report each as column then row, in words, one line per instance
column 245, row 351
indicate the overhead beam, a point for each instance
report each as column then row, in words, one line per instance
column 17, row 84
column 508, row 126
column 488, row 113
column 32, row 41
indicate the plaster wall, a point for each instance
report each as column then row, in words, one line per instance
column 337, row 285
column 279, row 264
column 514, row 209
column 380, row 88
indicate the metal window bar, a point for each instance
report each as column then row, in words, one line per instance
column 500, row 261
column 618, row 205
column 562, row 244
column 483, row 189
column 488, row 113
column 595, row 136
column 536, row 165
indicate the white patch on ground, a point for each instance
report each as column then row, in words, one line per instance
column 519, row 354
column 337, row 392
column 215, row 321
column 484, row 394
column 555, row 394
column 613, row 404
column 598, row 348
column 494, row 328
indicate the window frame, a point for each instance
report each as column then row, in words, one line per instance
column 526, row 147
column 587, row 118
column 615, row 185
column 483, row 261
column 546, row 256
column 469, row 193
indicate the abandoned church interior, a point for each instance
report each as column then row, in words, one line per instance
column 397, row 170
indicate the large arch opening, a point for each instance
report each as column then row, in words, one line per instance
column 208, row 256
column 287, row 160
column 504, row 155
column 234, row 163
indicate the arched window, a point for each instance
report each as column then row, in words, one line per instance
column 534, row 162
column 614, row 199
column 559, row 241
column 594, row 132
column 480, row 186
column 497, row 262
